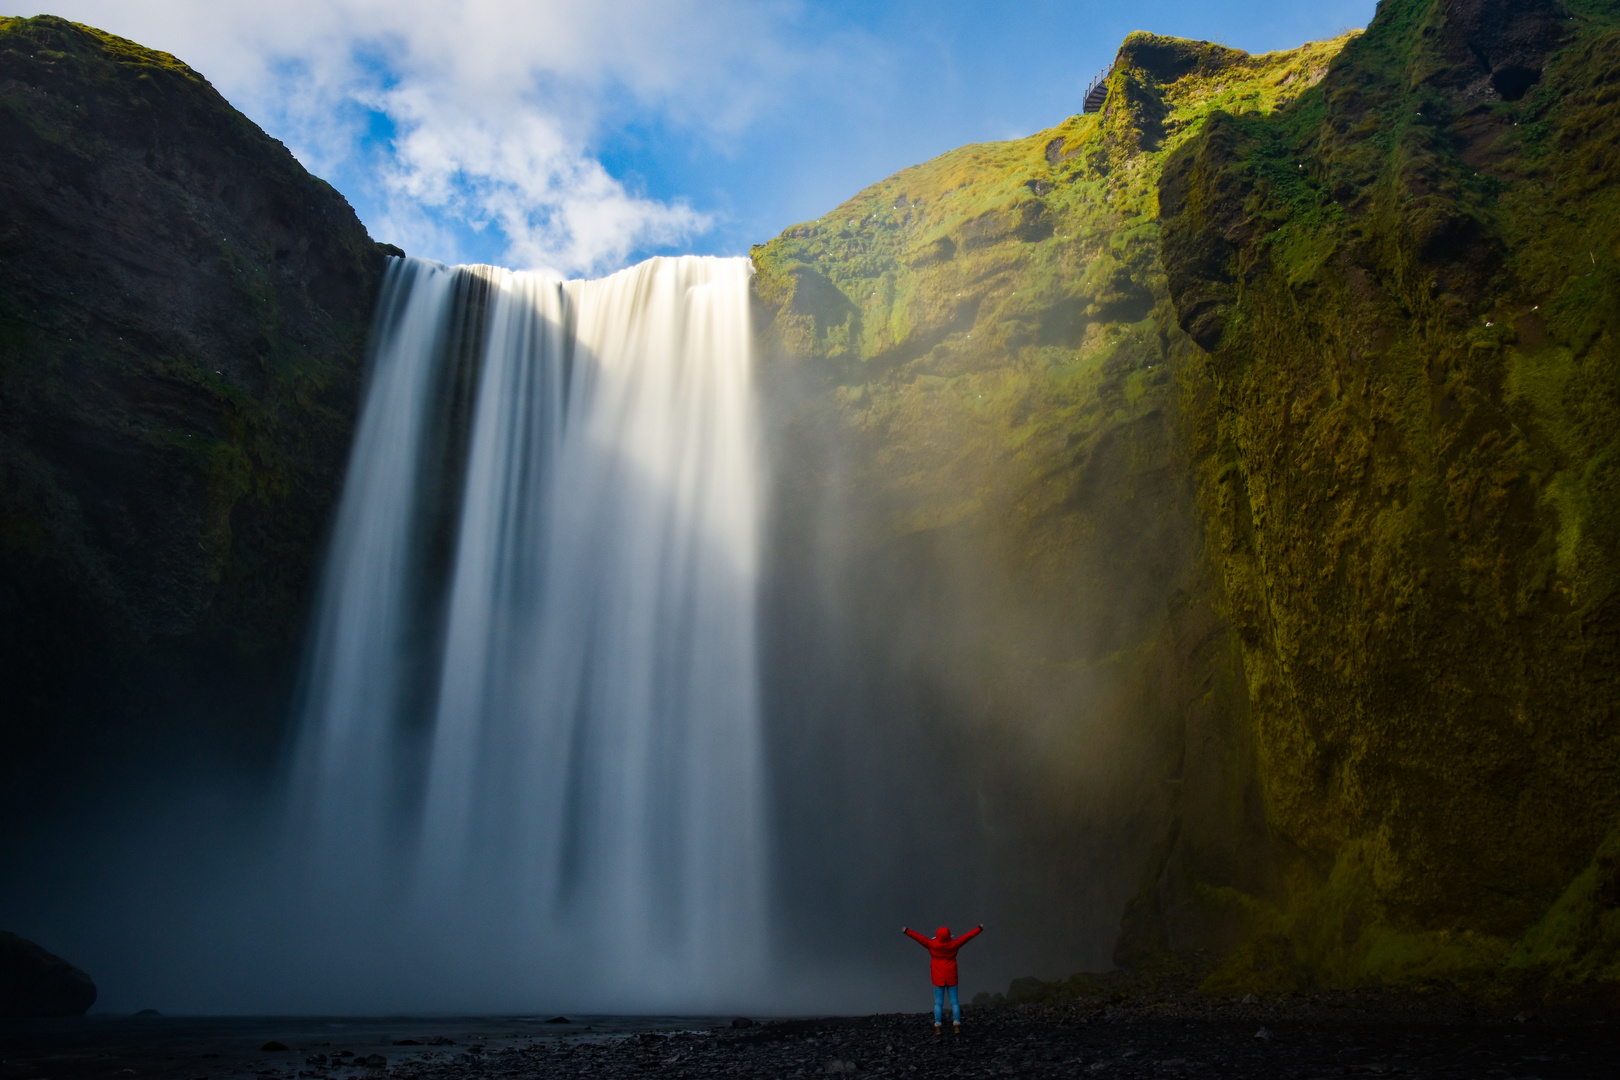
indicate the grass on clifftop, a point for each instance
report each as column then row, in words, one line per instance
column 1005, row 294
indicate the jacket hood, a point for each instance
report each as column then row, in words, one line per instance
column 942, row 934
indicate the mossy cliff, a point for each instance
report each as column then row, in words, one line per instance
column 183, row 312
column 1297, row 506
column 987, row 512
column 1211, row 503
column 1409, row 287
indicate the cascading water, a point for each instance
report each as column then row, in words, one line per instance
column 531, row 720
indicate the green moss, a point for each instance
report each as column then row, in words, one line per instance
column 988, row 343
column 21, row 31
column 1408, row 294
column 1405, row 444
column 1036, row 257
column 1577, row 943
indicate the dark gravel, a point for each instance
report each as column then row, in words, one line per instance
column 1301, row 1038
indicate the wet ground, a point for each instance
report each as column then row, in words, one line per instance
column 1346, row 1035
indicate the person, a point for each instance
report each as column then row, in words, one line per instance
column 942, row 965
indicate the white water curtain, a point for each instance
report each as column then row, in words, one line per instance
column 541, row 739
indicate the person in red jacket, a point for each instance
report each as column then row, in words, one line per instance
column 942, row 965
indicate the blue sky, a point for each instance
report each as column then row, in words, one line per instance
column 580, row 137
column 944, row 74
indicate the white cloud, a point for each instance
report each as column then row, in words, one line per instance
column 491, row 105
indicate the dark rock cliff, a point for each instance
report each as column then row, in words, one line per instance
column 183, row 312
column 1408, row 285
column 34, row 982
column 1219, row 490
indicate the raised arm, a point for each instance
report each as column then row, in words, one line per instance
column 914, row 936
column 969, row 936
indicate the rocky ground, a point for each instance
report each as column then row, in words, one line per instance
column 1318, row 1036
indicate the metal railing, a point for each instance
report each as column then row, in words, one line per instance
column 1097, row 91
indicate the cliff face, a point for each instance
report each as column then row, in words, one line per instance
column 1210, row 502
column 1291, row 528
column 1408, row 285
column 183, row 312
column 988, row 523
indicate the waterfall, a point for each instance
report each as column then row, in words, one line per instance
column 530, row 716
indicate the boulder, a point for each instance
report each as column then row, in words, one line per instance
column 34, row 982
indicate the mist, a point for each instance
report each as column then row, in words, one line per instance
column 947, row 736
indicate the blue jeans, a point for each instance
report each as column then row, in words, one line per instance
column 939, row 1004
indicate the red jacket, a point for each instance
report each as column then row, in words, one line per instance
column 942, row 948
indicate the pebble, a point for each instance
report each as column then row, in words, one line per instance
column 1185, row 1035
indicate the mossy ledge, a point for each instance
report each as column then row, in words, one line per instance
column 183, row 313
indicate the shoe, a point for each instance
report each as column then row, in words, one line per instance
column 939, row 1029
column 956, row 1029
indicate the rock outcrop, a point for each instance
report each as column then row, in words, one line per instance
column 1291, row 526
column 987, row 537
column 34, row 982
column 1221, row 489
column 1408, row 285
column 183, row 313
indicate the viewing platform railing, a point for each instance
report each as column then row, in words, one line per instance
column 1097, row 91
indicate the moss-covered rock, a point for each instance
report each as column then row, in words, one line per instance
column 183, row 312
column 1408, row 283
column 985, row 487
column 1220, row 488
column 1327, row 488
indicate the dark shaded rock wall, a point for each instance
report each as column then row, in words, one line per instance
column 1408, row 284
column 183, row 312
column 34, row 982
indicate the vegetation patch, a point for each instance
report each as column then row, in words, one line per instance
column 1406, row 285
